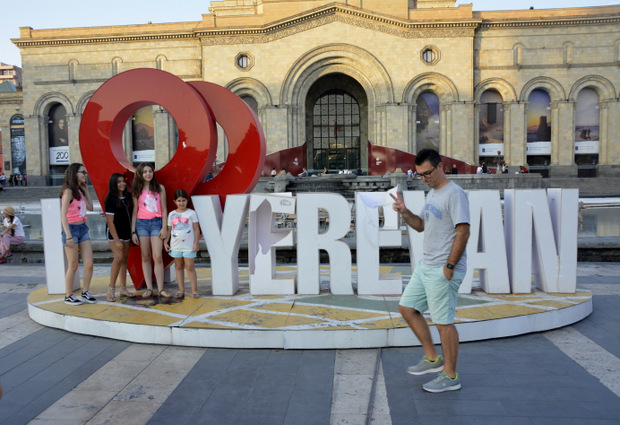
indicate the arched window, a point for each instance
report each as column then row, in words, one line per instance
column 587, row 119
column 116, row 66
column 143, row 135
column 568, row 49
column 517, row 54
column 58, row 140
column 73, row 65
column 251, row 102
column 160, row 61
column 336, row 131
column 539, row 128
column 491, row 124
column 18, row 145
column 427, row 122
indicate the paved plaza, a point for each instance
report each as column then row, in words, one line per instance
column 565, row 376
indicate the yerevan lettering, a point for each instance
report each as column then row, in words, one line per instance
column 537, row 238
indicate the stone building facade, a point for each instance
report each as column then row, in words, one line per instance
column 539, row 86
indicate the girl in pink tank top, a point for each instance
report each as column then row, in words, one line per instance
column 75, row 201
column 149, row 206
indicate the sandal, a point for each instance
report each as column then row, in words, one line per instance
column 165, row 294
column 179, row 295
column 196, row 295
column 111, row 297
column 147, row 294
column 126, row 292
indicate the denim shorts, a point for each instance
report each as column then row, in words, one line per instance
column 429, row 290
column 183, row 254
column 146, row 228
column 79, row 232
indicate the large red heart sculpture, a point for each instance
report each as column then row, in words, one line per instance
column 191, row 105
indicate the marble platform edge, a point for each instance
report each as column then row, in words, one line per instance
column 306, row 339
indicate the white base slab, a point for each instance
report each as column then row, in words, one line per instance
column 305, row 339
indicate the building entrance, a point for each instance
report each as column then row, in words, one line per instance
column 336, row 131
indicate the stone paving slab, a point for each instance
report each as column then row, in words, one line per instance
column 527, row 379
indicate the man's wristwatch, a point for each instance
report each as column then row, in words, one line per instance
column 450, row 266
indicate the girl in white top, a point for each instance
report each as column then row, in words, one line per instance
column 149, row 206
column 12, row 234
column 182, row 242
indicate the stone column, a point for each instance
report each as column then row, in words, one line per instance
column 128, row 142
column 275, row 128
column 411, row 128
column 515, row 153
column 172, row 135
column 162, row 148
column 296, row 126
column 461, row 142
column 563, row 140
column 73, row 131
column 380, row 126
column 476, row 120
column 609, row 148
column 445, row 131
column 396, row 126
column 37, row 146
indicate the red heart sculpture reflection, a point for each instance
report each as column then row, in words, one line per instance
column 110, row 107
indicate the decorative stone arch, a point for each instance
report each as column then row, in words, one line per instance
column 73, row 69
column 81, row 105
column 116, row 65
column 551, row 86
column 251, row 87
column 346, row 59
column 517, row 54
column 568, row 49
column 503, row 87
column 45, row 102
column 160, row 62
column 606, row 92
column 508, row 95
column 343, row 58
column 439, row 84
column 603, row 87
column 446, row 92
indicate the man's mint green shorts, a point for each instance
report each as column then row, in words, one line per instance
column 429, row 290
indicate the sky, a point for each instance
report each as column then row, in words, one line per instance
column 43, row 14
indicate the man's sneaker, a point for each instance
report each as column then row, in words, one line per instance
column 443, row 383
column 88, row 297
column 73, row 300
column 426, row 366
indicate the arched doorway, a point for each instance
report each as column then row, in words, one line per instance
column 58, row 142
column 18, row 146
column 337, row 123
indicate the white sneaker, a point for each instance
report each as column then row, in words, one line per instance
column 73, row 300
column 88, row 297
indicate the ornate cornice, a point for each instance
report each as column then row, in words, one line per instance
column 349, row 15
column 549, row 22
column 98, row 40
column 346, row 15
column 284, row 28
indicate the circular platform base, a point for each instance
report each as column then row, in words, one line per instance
column 323, row 321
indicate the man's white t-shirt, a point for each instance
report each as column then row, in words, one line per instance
column 442, row 211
